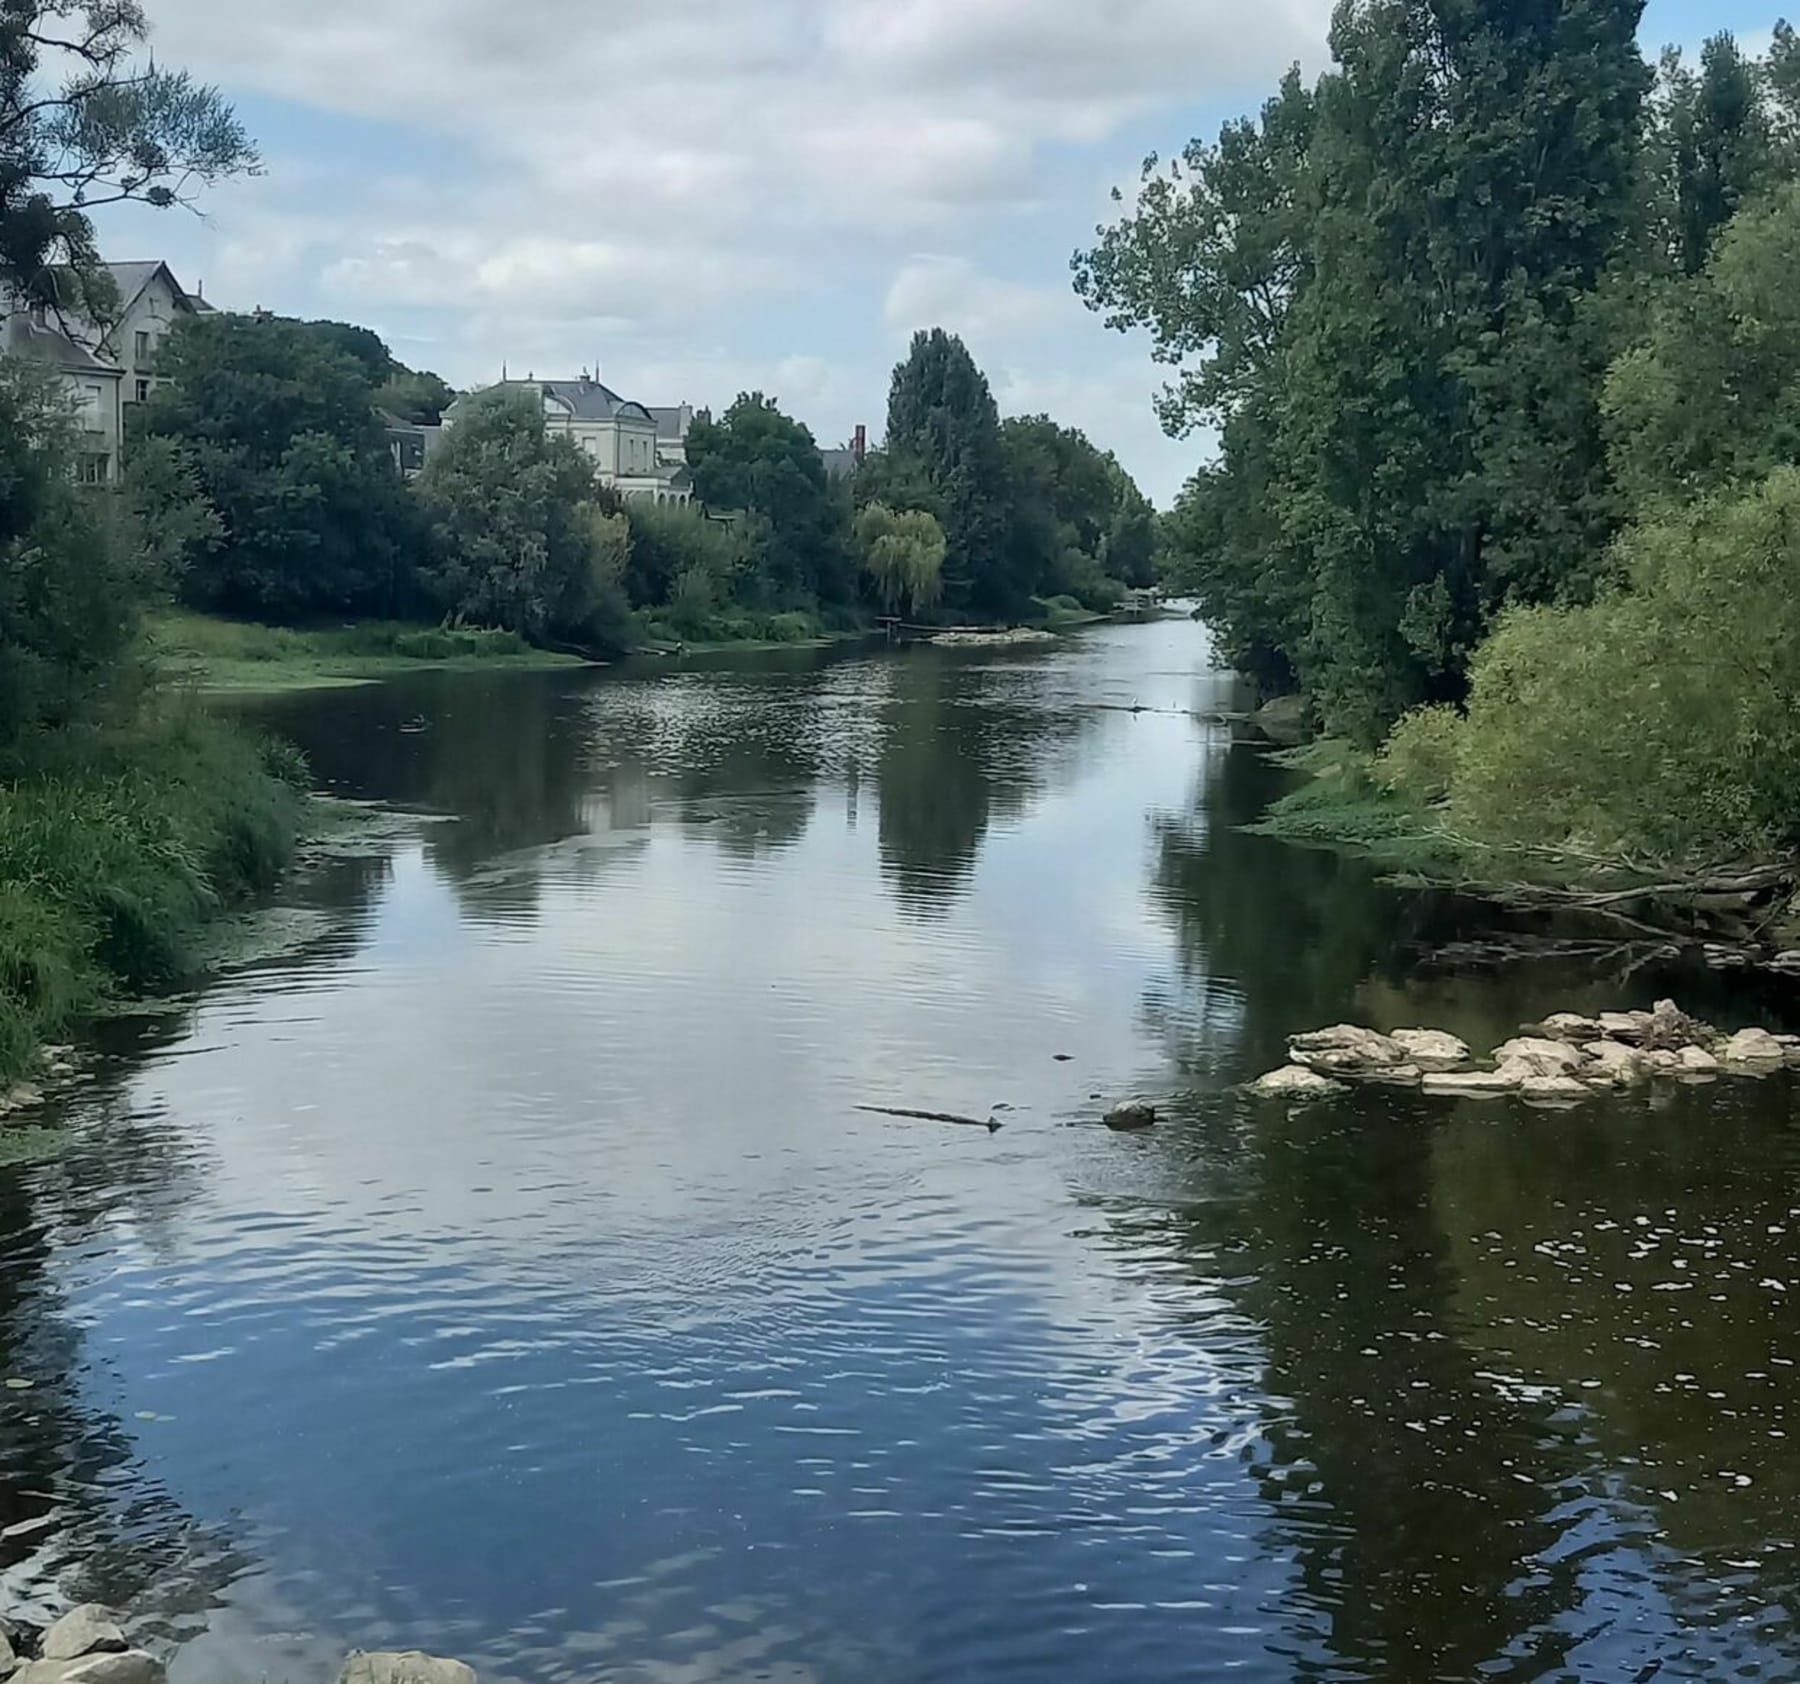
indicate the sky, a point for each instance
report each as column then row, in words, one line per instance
column 704, row 197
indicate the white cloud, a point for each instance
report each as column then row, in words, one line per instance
column 951, row 292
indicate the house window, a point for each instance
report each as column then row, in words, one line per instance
column 143, row 347
column 91, row 470
column 143, row 391
column 89, row 403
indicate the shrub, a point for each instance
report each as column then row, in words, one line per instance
column 1420, row 756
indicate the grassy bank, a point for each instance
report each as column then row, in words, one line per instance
column 219, row 654
column 116, row 852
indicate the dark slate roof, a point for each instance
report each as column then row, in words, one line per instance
column 587, row 400
column 24, row 338
column 839, row 464
column 672, row 420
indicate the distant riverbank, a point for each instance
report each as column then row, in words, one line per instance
column 241, row 655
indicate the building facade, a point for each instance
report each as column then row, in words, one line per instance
column 618, row 434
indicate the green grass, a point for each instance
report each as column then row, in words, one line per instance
column 117, row 851
column 220, row 654
column 736, row 628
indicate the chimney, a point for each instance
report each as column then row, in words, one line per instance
column 859, row 443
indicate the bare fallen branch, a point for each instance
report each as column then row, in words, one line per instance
column 988, row 1123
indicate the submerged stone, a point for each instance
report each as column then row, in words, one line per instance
column 410, row 1666
column 1133, row 1114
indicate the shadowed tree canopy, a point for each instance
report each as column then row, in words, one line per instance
column 759, row 459
column 273, row 422
column 945, row 454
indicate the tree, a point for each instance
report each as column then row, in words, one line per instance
column 943, row 435
column 758, row 459
column 83, row 126
column 418, row 396
column 1079, row 525
column 1387, row 286
column 1712, row 394
column 523, row 537
column 68, row 598
column 903, row 553
column 273, row 423
column 1713, row 144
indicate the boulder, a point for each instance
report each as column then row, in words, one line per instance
column 1554, row 1090
column 1625, row 1026
column 1570, row 1026
column 1697, row 1061
column 1133, row 1114
column 8, row 1656
column 1612, row 1064
column 1539, row 1057
column 1346, row 1050
column 128, row 1666
column 1432, row 1049
column 86, row 1630
column 21, row 1097
column 1473, row 1084
column 1786, row 963
column 1753, row 1050
column 408, row 1667
column 1295, row 1082
column 1661, row 1062
column 1671, row 1028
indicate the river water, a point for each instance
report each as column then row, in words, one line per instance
column 510, row 1272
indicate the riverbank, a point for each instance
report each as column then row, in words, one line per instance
column 118, row 850
column 240, row 655
column 1739, row 912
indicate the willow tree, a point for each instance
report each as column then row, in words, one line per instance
column 902, row 551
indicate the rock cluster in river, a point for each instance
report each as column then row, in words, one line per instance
column 1563, row 1060
column 88, row 1646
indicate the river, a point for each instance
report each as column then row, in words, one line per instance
column 509, row 1271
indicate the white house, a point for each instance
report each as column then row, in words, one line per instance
column 103, row 365
column 151, row 300
column 34, row 334
column 620, row 435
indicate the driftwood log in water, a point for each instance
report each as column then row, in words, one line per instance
column 988, row 1123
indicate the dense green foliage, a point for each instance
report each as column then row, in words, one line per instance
column 269, row 426
column 67, row 593
column 1664, row 717
column 756, row 459
column 1028, row 509
column 523, row 538
column 1497, row 330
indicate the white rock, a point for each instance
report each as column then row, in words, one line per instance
column 1697, row 1061
column 1754, row 1049
column 129, row 1666
column 1432, row 1049
column 408, row 1667
column 86, row 1630
column 1612, row 1064
column 1295, row 1082
column 1133, row 1114
column 1473, row 1084
column 1625, row 1026
column 21, row 1097
column 1388, row 1075
column 1540, row 1057
column 1660, row 1061
column 8, row 1658
column 1346, row 1050
column 1554, row 1090
column 1571, row 1026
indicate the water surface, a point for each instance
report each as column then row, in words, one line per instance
column 511, row 1273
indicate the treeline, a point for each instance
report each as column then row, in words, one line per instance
column 1498, row 329
column 260, row 473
